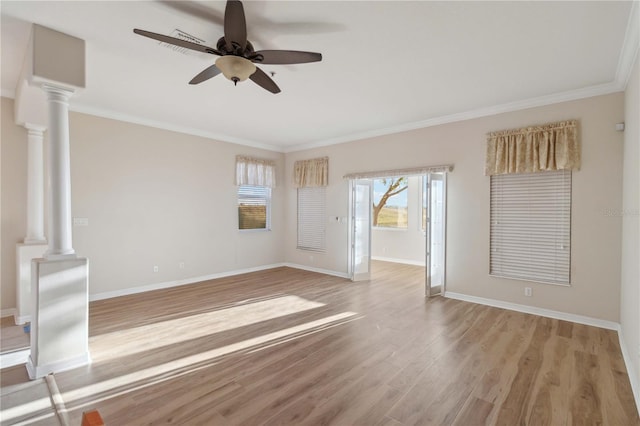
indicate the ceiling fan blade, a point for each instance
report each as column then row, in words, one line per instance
column 205, row 75
column 283, row 57
column 177, row 42
column 235, row 24
column 263, row 80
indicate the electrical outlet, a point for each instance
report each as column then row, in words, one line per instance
column 155, row 268
column 528, row 292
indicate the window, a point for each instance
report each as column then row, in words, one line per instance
column 390, row 202
column 311, row 218
column 531, row 226
column 254, row 207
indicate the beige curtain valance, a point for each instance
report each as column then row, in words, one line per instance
column 255, row 171
column 413, row 171
column 553, row 146
column 314, row 172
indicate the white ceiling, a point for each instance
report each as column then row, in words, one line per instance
column 387, row 66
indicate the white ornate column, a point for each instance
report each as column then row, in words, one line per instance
column 59, row 281
column 60, row 239
column 35, row 185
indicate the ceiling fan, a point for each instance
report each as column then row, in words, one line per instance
column 237, row 57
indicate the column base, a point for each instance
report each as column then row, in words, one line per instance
column 60, row 256
column 38, row 371
column 21, row 319
column 60, row 317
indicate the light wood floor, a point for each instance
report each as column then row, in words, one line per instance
column 12, row 336
column 292, row 347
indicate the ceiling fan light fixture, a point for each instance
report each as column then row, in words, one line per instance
column 235, row 68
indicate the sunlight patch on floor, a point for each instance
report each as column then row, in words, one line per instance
column 164, row 333
column 149, row 376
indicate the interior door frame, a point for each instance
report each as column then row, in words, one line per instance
column 351, row 232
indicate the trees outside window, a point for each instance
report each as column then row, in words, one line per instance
column 390, row 202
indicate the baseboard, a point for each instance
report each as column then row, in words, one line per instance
column 318, row 270
column 38, row 371
column 631, row 371
column 21, row 319
column 580, row 319
column 13, row 358
column 8, row 312
column 403, row 261
column 177, row 283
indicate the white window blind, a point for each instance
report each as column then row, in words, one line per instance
column 254, row 207
column 311, row 218
column 531, row 226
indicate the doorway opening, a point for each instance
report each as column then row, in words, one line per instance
column 399, row 220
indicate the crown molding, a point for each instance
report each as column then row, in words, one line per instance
column 113, row 115
column 571, row 95
column 630, row 47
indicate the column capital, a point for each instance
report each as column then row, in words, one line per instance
column 34, row 129
column 57, row 93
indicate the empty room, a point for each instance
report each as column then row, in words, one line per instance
column 320, row 213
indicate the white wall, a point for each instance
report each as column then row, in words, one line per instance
column 152, row 197
column 630, row 287
column 155, row 197
column 13, row 146
column 403, row 245
column 597, row 187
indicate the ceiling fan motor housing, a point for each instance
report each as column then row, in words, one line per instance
column 248, row 52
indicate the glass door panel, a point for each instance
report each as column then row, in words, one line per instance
column 434, row 191
column 362, row 190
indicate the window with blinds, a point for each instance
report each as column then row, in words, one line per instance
column 254, row 207
column 311, row 218
column 531, row 226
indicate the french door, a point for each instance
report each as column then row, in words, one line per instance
column 434, row 192
column 360, row 235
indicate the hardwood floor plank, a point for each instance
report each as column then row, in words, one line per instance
column 515, row 408
column 443, row 388
column 550, row 403
column 586, row 399
column 475, row 413
column 13, row 337
column 388, row 421
column 565, row 329
column 292, row 347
